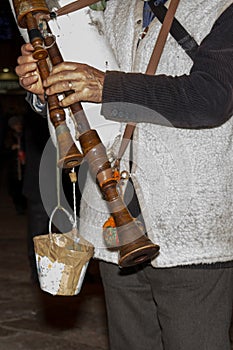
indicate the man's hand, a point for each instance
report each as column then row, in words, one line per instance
column 85, row 81
column 27, row 71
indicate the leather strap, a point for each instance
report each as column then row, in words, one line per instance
column 151, row 69
column 74, row 6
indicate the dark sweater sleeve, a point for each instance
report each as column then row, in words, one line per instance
column 202, row 99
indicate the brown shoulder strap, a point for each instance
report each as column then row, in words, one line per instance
column 151, row 68
column 162, row 37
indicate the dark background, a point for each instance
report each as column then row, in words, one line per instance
column 11, row 95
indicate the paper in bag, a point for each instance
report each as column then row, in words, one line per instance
column 62, row 260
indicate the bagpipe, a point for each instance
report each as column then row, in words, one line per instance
column 134, row 246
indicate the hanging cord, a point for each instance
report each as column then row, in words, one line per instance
column 72, row 220
column 58, row 178
column 73, row 178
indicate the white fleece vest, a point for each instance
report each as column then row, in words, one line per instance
column 184, row 178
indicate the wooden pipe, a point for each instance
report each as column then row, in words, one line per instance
column 69, row 155
column 134, row 246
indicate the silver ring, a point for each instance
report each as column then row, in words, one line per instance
column 70, row 85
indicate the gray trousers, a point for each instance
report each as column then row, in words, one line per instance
column 168, row 309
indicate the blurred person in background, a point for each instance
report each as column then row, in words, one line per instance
column 16, row 160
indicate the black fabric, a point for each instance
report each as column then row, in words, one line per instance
column 179, row 33
column 36, row 137
column 131, row 199
column 202, row 99
column 130, row 196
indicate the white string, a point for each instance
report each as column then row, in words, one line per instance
column 58, row 180
column 73, row 221
column 74, row 202
column 70, row 217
